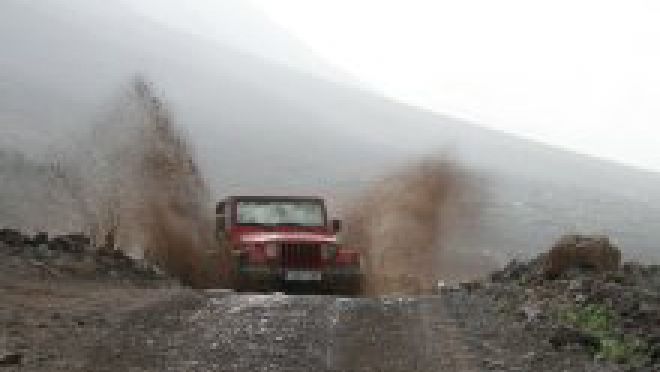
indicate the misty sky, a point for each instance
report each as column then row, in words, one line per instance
column 583, row 75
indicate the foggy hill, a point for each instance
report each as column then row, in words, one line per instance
column 239, row 24
column 260, row 126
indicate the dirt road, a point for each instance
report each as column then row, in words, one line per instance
column 55, row 318
column 111, row 329
column 320, row 333
column 290, row 333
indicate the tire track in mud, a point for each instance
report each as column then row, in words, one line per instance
column 290, row 333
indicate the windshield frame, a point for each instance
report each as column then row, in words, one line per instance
column 277, row 199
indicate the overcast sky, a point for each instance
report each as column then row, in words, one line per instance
column 579, row 74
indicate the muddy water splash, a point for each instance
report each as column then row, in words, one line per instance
column 144, row 191
column 398, row 225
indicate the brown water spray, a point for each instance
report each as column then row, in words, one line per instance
column 397, row 224
column 147, row 193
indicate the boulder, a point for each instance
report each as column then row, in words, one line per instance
column 8, row 358
column 40, row 238
column 58, row 244
column 581, row 252
column 12, row 237
column 69, row 242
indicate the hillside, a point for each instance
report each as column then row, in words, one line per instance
column 259, row 126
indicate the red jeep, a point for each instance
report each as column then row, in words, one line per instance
column 279, row 242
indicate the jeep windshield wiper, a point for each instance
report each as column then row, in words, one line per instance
column 291, row 224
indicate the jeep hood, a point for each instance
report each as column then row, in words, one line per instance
column 302, row 237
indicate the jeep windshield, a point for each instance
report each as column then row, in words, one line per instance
column 308, row 213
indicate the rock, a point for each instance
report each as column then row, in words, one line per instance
column 40, row 238
column 70, row 242
column 12, row 237
column 9, row 358
column 514, row 270
column 58, row 244
column 581, row 252
column 42, row 251
column 565, row 336
column 77, row 242
column 493, row 364
column 470, row 286
column 531, row 312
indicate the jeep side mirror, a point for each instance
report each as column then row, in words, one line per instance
column 336, row 225
column 220, row 224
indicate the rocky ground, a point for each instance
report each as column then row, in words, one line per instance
column 78, row 309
